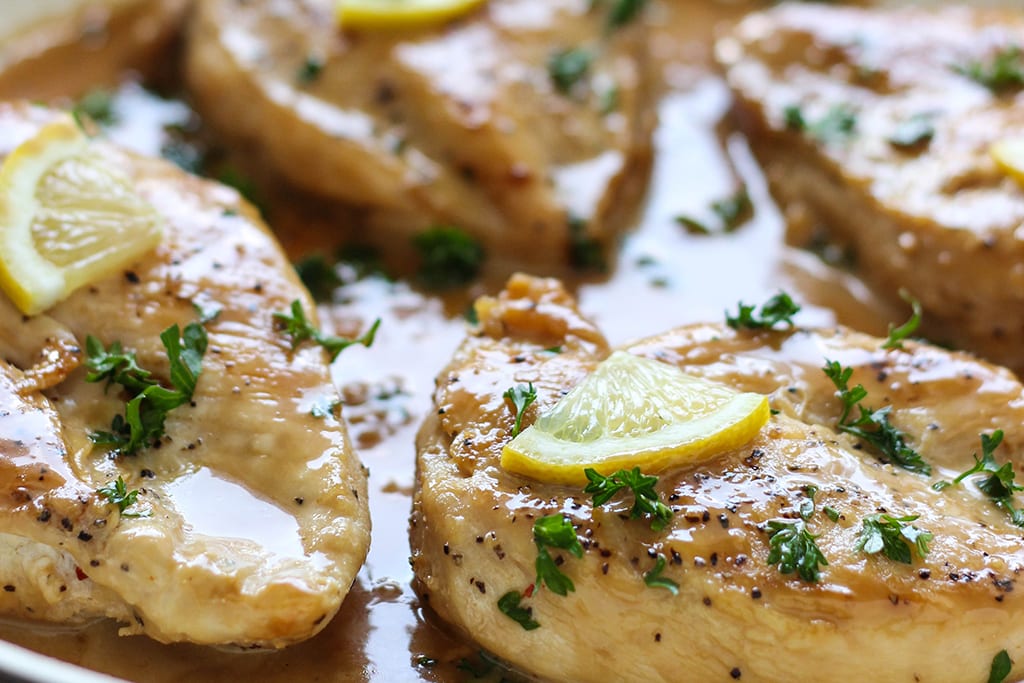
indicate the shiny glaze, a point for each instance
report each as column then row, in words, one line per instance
column 663, row 277
column 472, row 521
column 939, row 220
column 246, row 440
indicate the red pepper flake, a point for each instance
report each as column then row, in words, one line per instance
column 82, row 576
column 528, row 593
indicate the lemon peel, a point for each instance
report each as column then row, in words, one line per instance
column 67, row 219
column 1008, row 154
column 634, row 412
column 399, row 14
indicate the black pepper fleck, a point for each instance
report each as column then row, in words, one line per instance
column 735, row 673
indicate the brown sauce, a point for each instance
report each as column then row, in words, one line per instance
column 663, row 276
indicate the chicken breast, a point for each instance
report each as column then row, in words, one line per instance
column 867, row 618
column 880, row 136
column 487, row 124
column 61, row 48
column 254, row 519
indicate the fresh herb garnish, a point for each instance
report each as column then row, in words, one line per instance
column 521, row 395
column 999, row 485
column 96, row 105
column 831, row 512
column 731, row 211
column 232, row 177
column 807, row 504
column 1001, row 667
column 654, row 579
column 310, row 70
column 645, row 498
column 510, row 607
column 894, row 537
column 1003, row 72
column 320, row 277
column 299, row 328
column 872, row 426
column 793, row 548
column 913, row 132
column 569, row 67
column 624, row 11
column 778, row 309
column 554, row 531
column 449, row 257
column 119, row 495
column 324, row 407
column 837, row 125
column 898, row 334
column 585, row 253
column 142, row 424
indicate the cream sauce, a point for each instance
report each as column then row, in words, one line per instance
column 663, row 277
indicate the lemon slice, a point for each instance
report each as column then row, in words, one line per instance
column 66, row 218
column 631, row 412
column 385, row 14
column 1009, row 155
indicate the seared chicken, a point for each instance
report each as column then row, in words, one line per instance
column 868, row 618
column 871, row 127
column 253, row 511
column 486, row 124
column 57, row 48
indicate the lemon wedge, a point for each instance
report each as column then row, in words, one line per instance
column 397, row 14
column 1009, row 156
column 630, row 412
column 66, row 218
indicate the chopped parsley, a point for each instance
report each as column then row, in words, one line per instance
column 142, row 424
column 831, row 512
column 585, row 253
column 449, row 257
column 792, row 547
column 807, row 504
column 569, row 67
column 510, row 606
column 872, row 426
column 838, row 124
column 319, row 276
column 310, row 70
column 554, row 531
column 624, row 11
column 300, row 329
column 522, row 396
column 1003, row 72
column 731, row 212
column 119, row 495
column 999, row 485
column 913, row 132
column 97, row 106
column 654, row 579
column 645, row 498
column 1001, row 667
column 894, row 537
column 779, row 309
column 898, row 334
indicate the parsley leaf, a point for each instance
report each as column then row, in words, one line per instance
column 510, row 607
column 554, row 531
column 300, row 329
column 654, row 579
column 779, row 309
column 119, row 495
column 898, row 334
column 731, row 211
column 913, row 132
column 1001, row 667
column 645, row 498
column 145, row 413
column 310, row 70
column 792, row 547
column 585, row 252
column 97, row 105
column 1004, row 72
column 569, row 67
column 837, row 125
column 449, row 257
column 999, row 485
column 894, row 537
column 807, row 504
column 872, row 426
column 831, row 513
column 319, row 276
column 624, row 11
column 521, row 396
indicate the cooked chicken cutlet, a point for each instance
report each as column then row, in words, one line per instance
column 56, row 48
column 875, row 126
column 527, row 123
column 253, row 512
column 868, row 618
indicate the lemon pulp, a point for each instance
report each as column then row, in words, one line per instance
column 384, row 14
column 634, row 412
column 67, row 218
column 1009, row 156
